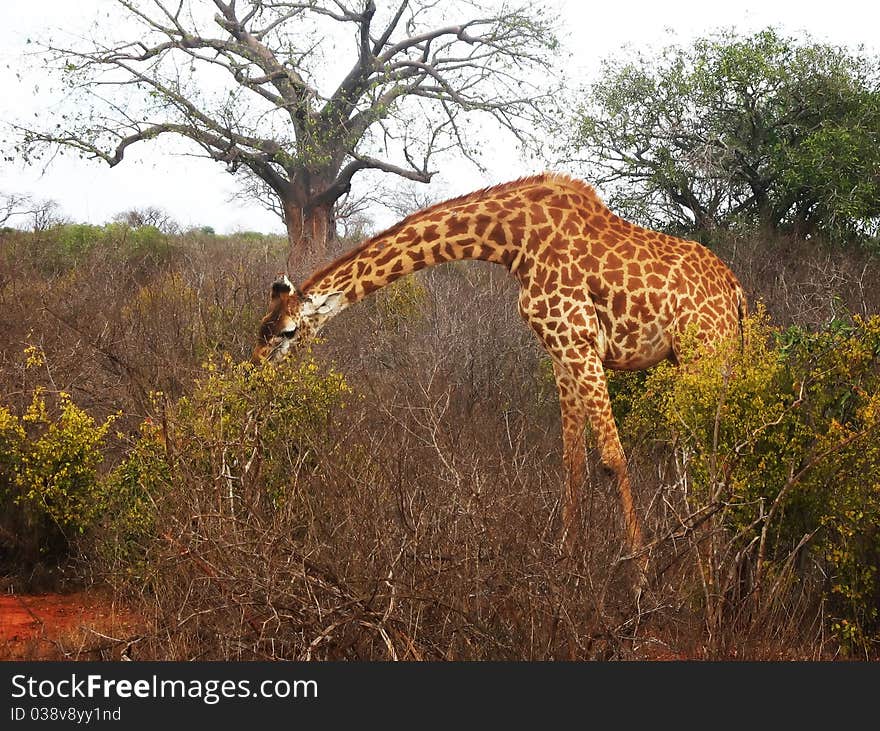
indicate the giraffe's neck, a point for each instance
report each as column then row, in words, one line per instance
column 467, row 230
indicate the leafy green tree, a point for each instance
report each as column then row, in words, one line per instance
column 763, row 130
column 298, row 97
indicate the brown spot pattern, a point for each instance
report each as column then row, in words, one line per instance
column 596, row 290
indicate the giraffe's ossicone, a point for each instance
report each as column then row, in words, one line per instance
column 598, row 291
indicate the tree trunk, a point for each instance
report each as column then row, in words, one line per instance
column 310, row 229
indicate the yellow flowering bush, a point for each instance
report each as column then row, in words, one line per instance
column 244, row 430
column 240, row 437
column 50, row 489
column 12, row 441
column 783, row 437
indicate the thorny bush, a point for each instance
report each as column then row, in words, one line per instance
column 780, row 442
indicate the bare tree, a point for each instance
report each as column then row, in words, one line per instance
column 262, row 86
column 149, row 216
column 43, row 212
column 14, row 204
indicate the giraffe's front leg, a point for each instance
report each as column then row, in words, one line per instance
column 583, row 398
column 574, row 418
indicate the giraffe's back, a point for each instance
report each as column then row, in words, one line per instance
column 641, row 289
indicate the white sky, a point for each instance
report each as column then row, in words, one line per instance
column 197, row 192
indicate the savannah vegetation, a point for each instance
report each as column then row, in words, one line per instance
column 393, row 492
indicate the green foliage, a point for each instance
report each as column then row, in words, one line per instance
column 784, row 438
column 763, row 130
column 275, row 414
column 402, row 301
column 67, row 245
column 129, row 522
column 244, row 432
column 51, row 493
column 12, row 446
column 144, row 241
column 75, row 240
column 253, row 428
column 251, row 237
column 59, row 470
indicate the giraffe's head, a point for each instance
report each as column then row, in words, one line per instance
column 293, row 318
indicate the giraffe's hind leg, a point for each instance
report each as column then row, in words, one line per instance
column 583, row 398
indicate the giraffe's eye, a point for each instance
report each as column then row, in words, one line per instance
column 287, row 334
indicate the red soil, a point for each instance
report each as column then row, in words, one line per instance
column 81, row 625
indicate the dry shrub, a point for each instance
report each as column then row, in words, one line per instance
column 412, row 524
column 803, row 282
column 421, row 519
column 125, row 317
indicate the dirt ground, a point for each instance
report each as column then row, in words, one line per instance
column 75, row 626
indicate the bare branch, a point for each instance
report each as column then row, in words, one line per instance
column 265, row 115
column 382, row 40
column 14, row 204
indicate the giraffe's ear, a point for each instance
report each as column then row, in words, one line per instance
column 323, row 306
column 281, row 285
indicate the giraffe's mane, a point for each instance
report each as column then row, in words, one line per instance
column 560, row 179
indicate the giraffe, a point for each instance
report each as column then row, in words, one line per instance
column 598, row 291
